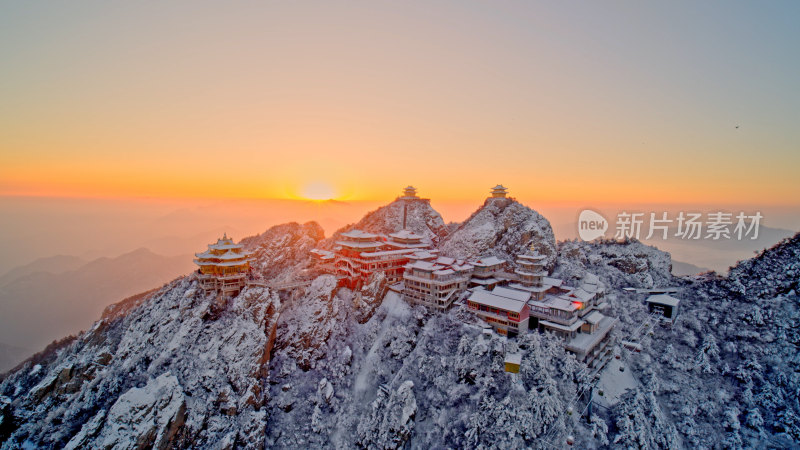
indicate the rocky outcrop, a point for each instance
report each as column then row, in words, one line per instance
column 619, row 264
column 502, row 227
column 282, row 252
column 391, row 419
column 146, row 417
column 420, row 218
column 306, row 322
column 773, row 272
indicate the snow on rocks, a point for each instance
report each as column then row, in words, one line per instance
column 421, row 218
column 158, row 358
column 503, row 228
column 282, row 252
column 149, row 416
column 618, row 264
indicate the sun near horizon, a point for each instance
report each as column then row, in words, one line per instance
column 318, row 191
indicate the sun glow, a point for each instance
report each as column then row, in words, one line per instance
column 318, row 190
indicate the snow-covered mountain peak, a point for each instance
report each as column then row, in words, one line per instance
column 420, row 217
column 502, row 227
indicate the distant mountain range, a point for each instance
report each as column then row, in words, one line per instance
column 54, row 297
column 707, row 254
column 680, row 268
column 53, row 264
column 10, row 356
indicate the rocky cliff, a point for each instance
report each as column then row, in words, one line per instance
column 502, row 227
column 420, row 218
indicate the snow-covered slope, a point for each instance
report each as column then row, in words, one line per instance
column 174, row 349
column 503, row 228
column 178, row 370
column 410, row 377
column 727, row 373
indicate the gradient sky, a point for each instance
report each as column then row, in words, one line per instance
column 560, row 101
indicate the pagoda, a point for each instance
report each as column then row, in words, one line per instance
column 499, row 191
column 410, row 193
column 223, row 267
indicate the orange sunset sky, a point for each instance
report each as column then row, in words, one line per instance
column 564, row 102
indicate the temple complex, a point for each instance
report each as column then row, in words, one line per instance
column 358, row 254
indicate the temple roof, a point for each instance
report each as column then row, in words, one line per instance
column 405, row 234
column 511, row 293
column 488, row 261
column 484, row 297
column 359, row 234
column 663, row 299
column 534, row 257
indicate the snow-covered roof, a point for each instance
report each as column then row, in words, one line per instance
column 324, row 254
column 594, row 317
column 404, row 251
column 558, row 326
column 590, row 287
column 227, row 256
column 582, row 295
column 514, row 294
column 230, row 255
column 558, row 303
column 663, row 299
column 445, row 260
column 441, row 266
column 423, row 254
column 222, row 264
column 557, row 282
column 358, row 234
column 223, row 246
column 357, row 244
column 513, row 358
column 421, row 265
column 488, row 261
column 585, row 342
column 462, row 266
column 486, row 298
column 490, row 280
column 405, row 234
column 536, row 257
column 522, row 287
column 540, row 273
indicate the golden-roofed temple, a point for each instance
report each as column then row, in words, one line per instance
column 223, row 267
column 499, row 191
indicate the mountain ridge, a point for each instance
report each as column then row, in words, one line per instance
column 326, row 366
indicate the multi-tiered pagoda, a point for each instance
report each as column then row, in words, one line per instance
column 223, row 267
